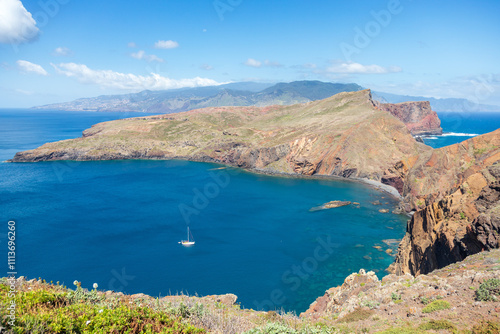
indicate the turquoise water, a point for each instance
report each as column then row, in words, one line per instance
column 118, row 223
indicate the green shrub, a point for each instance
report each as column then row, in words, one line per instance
column 51, row 311
column 401, row 330
column 486, row 327
column 488, row 290
column 395, row 297
column 438, row 325
column 424, row 300
column 280, row 328
column 436, row 306
column 371, row 304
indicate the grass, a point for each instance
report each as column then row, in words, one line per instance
column 357, row 315
column 436, row 305
column 437, row 325
column 402, row 330
column 486, row 327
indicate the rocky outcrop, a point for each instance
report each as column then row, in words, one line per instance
column 418, row 116
column 336, row 204
column 344, row 135
column 363, row 298
column 432, row 175
column 447, row 231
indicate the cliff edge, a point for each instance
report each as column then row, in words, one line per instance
column 418, row 117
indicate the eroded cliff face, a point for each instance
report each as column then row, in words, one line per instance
column 345, row 135
column 454, row 227
column 429, row 177
column 419, row 118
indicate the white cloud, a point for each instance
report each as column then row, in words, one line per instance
column 62, row 51
column 256, row 63
column 253, row 63
column 272, row 63
column 309, row 66
column 142, row 55
column 23, row 92
column 127, row 81
column 132, row 45
column 480, row 89
column 27, row 67
column 206, row 67
column 16, row 23
column 357, row 68
column 166, row 44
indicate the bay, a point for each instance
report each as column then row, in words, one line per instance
column 118, row 223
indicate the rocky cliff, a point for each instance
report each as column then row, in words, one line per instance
column 454, row 191
column 428, row 177
column 454, row 227
column 344, row 135
column 418, row 116
column 446, row 298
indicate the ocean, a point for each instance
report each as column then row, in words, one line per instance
column 118, row 223
column 460, row 126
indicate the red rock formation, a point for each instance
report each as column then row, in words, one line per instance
column 419, row 118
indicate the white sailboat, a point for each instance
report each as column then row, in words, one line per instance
column 188, row 242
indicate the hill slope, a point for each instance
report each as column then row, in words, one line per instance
column 344, row 135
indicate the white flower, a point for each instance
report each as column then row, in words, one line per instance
column 88, row 322
column 100, row 311
column 95, row 285
column 75, row 282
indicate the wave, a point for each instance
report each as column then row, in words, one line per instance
column 459, row 134
column 429, row 137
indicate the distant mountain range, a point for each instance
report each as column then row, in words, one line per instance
column 244, row 94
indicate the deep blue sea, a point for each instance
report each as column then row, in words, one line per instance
column 460, row 126
column 118, row 223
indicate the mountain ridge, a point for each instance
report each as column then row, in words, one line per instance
column 244, row 94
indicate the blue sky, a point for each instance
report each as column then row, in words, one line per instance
column 59, row 50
